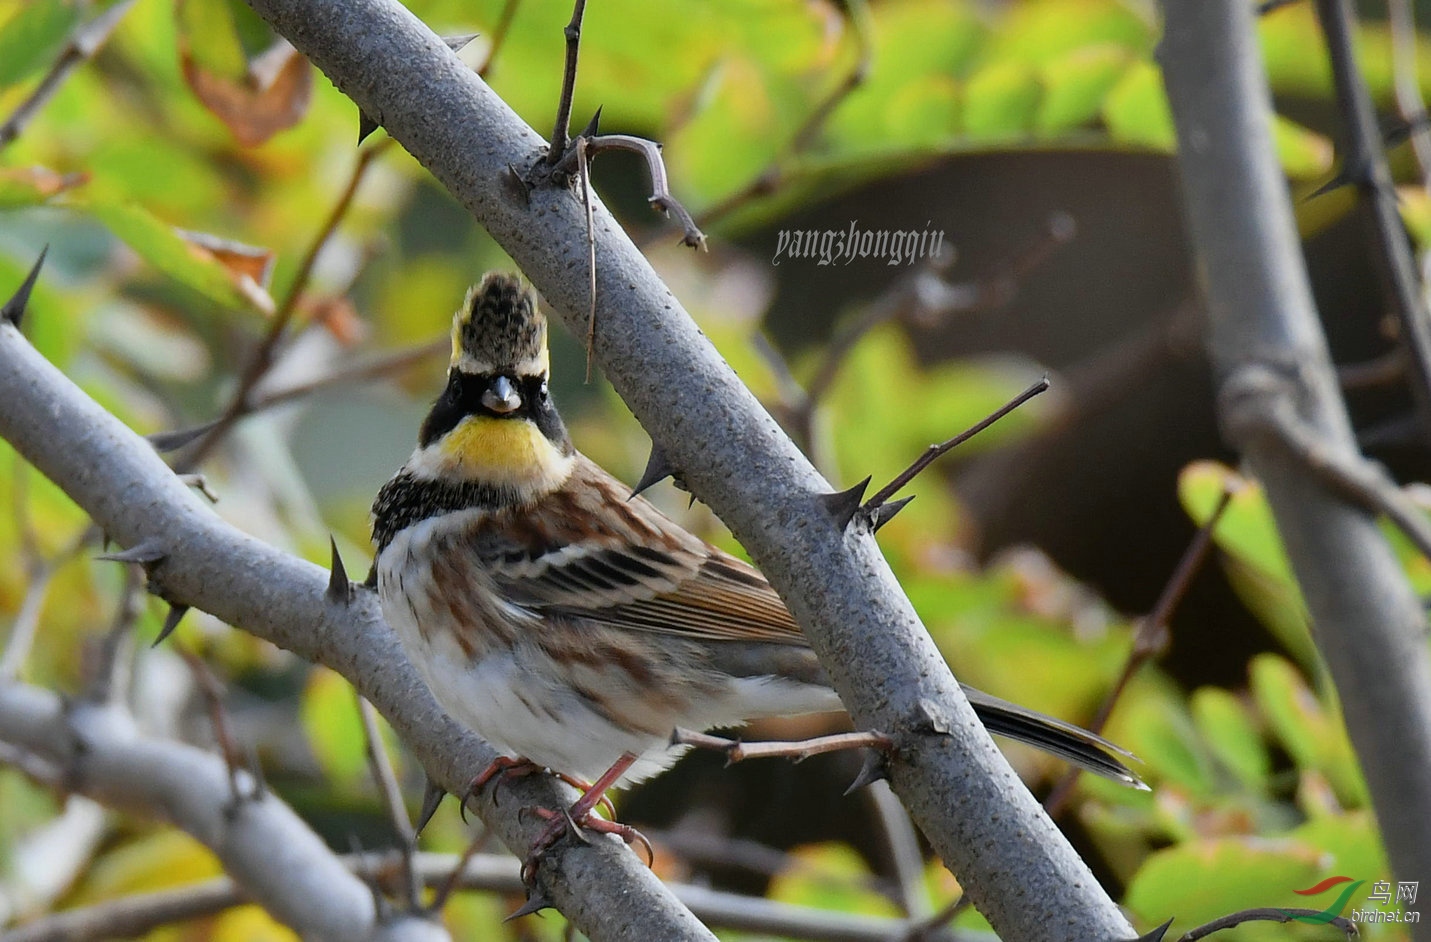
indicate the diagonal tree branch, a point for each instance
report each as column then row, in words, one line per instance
column 134, row 497
column 267, row 848
column 1016, row 865
column 1272, row 360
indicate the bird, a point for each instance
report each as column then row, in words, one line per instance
column 569, row 623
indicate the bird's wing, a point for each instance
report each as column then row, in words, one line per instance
column 589, row 552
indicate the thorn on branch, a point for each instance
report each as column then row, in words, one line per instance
column 163, row 442
column 885, row 512
column 146, row 553
column 842, row 505
column 340, row 588
column 432, row 795
column 177, row 611
column 874, row 769
column 367, row 125
column 658, row 468
column 536, row 902
column 14, row 309
column 1158, row 933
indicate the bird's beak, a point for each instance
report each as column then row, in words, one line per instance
column 502, row 396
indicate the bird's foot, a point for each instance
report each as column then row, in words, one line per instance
column 581, row 817
column 505, row 767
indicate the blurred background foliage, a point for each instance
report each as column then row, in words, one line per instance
column 186, row 167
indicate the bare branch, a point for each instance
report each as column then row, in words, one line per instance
column 1364, row 162
column 1264, row 332
column 124, row 484
column 381, row 767
column 263, row 845
column 840, row 589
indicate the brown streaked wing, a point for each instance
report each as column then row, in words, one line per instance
column 588, row 552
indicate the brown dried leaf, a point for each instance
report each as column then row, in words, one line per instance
column 27, row 186
column 340, row 317
column 240, row 259
column 272, row 97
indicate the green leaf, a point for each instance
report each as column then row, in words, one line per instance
column 831, row 877
column 329, row 713
column 1303, row 153
column 1309, row 730
column 32, row 38
column 1034, row 33
column 1229, row 731
column 1160, row 731
column 163, row 247
column 1000, row 102
column 1256, row 564
column 1076, row 84
column 1199, row 880
column 1136, row 110
column 1247, row 528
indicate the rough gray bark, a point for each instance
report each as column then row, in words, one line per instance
column 1276, row 378
column 263, row 845
column 1017, row 867
column 603, row 888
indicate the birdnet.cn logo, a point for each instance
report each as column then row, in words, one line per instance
column 1381, row 894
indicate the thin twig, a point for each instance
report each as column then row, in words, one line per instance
column 109, row 681
column 380, row 765
column 263, row 357
column 737, row 751
column 81, row 45
column 661, row 197
column 499, row 36
column 27, row 619
column 234, row 762
column 1401, row 20
column 935, row 452
column 1365, row 162
column 905, row 856
column 1265, row 914
column 1152, row 636
column 561, row 130
column 935, row 926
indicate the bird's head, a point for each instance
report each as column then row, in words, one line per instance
column 495, row 422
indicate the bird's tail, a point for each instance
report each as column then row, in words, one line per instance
column 1074, row 744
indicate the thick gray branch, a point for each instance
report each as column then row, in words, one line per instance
column 1015, row 864
column 119, row 480
column 1270, row 353
column 265, row 846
